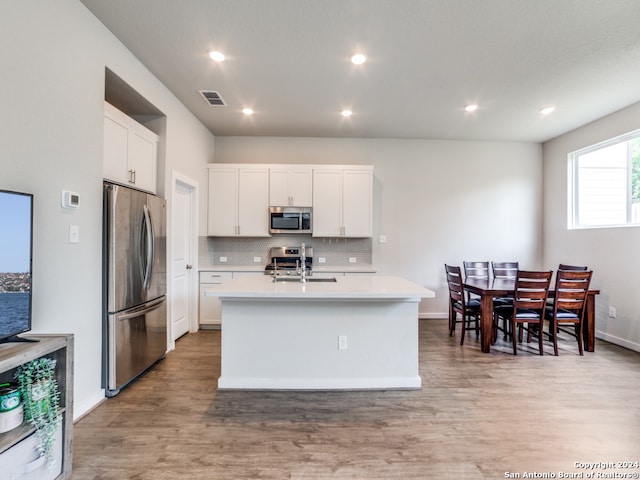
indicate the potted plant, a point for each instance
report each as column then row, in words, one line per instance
column 41, row 398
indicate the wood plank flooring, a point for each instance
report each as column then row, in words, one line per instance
column 478, row 416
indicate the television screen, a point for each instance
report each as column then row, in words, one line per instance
column 16, row 224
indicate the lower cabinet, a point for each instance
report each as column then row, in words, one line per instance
column 19, row 456
column 209, row 310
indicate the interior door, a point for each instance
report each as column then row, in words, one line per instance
column 182, row 253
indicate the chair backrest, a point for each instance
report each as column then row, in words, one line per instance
column 476, row 270
column 531, row 289
column 504, row 269
column 564, row 266
column 455, row 282
column 571, row 290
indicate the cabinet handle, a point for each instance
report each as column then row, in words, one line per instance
column 188, row 267
column 132, row 176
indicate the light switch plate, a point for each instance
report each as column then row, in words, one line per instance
column 74, row 233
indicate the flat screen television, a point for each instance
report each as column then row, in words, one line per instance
column 16, row 245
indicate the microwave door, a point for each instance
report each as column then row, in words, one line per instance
column 285, row 221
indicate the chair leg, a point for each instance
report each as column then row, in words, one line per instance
column 579, row 335
column 540, row 337
column 513, row 335
column 465, row 319
column 553, row 331
column 452, row 322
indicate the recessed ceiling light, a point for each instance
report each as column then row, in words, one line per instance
column 346, row 113
column 547, row 110
column 247, row 111
column 358, row 59
column 216, row 56
column 471, row 107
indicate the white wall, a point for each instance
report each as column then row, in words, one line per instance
column 436, row 201
column 610, row 252
column 54, row 55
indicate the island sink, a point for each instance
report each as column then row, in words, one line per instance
column 308, row 279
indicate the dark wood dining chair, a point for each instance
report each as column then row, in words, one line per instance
column 502, row 270
column 468, row 310
column 529, row 303
column 578, row 268
column 475, row 270
column 569, row 305
column 573, row 268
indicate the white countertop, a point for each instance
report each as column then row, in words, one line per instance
column 259, row 267
column 345, row 287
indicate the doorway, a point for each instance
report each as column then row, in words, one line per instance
column 183, row 257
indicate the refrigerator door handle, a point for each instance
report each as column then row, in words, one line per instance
column 149, row 247
column 135, row 312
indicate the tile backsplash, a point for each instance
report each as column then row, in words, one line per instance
column 241, row 251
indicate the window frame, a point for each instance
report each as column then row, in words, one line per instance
column 573, row 213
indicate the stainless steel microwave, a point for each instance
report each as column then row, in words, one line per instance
column 290, row 219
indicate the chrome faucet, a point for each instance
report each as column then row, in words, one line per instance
column 303, row 264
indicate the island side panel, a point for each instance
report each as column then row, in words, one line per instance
column 294, row 344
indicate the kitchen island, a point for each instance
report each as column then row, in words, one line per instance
column 357, row 332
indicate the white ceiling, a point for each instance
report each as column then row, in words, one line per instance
column 426, row 59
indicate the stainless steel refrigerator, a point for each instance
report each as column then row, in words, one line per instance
column 134, row 284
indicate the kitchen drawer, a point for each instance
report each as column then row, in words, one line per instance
column 23, row 462
column 215, row 277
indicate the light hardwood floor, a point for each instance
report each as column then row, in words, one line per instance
column 478, row 416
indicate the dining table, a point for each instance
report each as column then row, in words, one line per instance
column 490, row 288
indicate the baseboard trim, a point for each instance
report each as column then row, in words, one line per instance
column 618, row 341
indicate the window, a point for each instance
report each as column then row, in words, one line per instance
column 605, row 183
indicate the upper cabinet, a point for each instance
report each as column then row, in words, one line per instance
column 238, row 201
column 343, row 201
column 130, row 151
column 290, row 186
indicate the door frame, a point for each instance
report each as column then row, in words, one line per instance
column 194, row 186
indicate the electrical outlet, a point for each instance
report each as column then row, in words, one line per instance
column 257, row 259
column 223, row 259
column 352, row 259
column 342, row 342
column 612, row 312
column 322, row 260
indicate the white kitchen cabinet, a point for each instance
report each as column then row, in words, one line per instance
column 130, row 151
column 290, row 185
column 238, row 201
column 343, row 201
column 209, row 310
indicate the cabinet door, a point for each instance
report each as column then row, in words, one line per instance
column 327, row 203
column 301, row 187
column 290, row 186
column 142, row 161
column 130, row 151
column 222, row 215
column 210, row 308
column 279, row 187
column 357, row 203
column 253, row 202
column 115, row 150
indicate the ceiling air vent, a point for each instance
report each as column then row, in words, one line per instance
column 213, row 98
